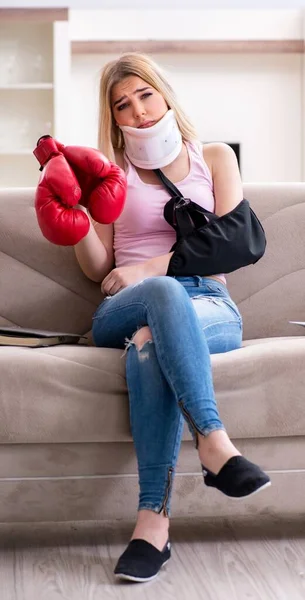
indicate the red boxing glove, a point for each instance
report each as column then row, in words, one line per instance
column 103, row 183
column 57, row 193
column 75, row 175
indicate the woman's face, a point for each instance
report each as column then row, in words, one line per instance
column 136, row 104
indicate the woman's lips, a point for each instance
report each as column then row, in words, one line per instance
column 146, row 124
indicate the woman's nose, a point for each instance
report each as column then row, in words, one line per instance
column 138, row 110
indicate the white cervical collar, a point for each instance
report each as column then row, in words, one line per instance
column 153, row 147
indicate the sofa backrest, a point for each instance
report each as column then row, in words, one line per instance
column 271, row 293
column 42, row 285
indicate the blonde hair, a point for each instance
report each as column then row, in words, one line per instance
column 110, row 136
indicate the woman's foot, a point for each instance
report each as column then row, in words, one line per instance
column 141, row 561
column 225, row 469
column 148, row 550
column 151, row 527
column 238, row 478
column 215, row 450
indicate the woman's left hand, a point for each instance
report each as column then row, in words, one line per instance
column 121, row 277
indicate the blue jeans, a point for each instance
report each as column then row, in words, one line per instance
column 170, row 378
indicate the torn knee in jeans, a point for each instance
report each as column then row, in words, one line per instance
column 139, row 339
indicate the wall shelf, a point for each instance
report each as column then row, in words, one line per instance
column 40, row 15
column 27, row 86
column 16, row 152
column 34, row 88
column 189, row 46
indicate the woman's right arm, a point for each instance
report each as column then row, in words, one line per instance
column 94, row 252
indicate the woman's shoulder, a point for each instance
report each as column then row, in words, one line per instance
column 215, row 153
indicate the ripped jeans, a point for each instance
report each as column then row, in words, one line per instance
column 169, row 379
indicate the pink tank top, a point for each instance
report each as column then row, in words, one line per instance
column 141, row 232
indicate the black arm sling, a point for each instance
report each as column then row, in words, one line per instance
column 207, row 244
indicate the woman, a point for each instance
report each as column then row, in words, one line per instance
column 169, row 326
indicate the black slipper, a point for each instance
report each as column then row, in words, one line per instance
column 141, row 561
column 238, row 478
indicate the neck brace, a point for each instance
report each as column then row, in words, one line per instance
column 153, row 147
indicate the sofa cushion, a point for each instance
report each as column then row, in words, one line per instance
column 66, row 394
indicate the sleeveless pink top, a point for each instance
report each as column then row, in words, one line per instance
column 141, row 232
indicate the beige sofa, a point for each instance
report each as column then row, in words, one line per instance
column 66, row 449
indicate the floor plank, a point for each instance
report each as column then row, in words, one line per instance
column 211, row 560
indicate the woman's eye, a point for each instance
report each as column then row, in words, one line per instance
column 122, row 106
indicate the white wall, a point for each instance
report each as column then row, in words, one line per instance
column 251, row 99
column 162, row 4
column 166, row 24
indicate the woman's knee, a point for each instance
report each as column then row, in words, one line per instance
column 142, row 336
column 162, row 287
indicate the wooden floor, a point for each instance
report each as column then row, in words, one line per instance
column 220, row 560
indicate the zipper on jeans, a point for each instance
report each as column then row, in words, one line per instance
column 190, row 420
column 169, row 483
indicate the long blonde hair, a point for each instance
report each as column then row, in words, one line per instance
column 110, row 136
